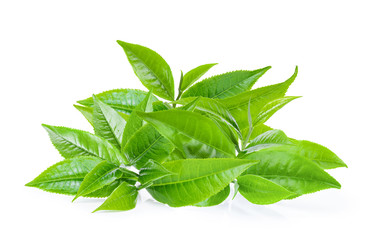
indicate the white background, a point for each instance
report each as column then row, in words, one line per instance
column 53, row 53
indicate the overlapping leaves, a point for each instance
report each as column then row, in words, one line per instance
column 189, row 150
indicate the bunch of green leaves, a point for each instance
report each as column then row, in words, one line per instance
column 188, row 150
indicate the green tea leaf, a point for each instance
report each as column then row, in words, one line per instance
column 106, row 190
column 160, row 106
column 135, row 122
column 321, row 155
column 259, row 129
column 195, row 180
column 147, row 143
column 272, row 107
column 225, row 85
column 283, row 166
column 152, row 70
column 123, row 198
column 215, row 199
column 193, row 134
column 122, row 100
column 72, row 143
column 238, row 104
column 152, row 171
column 103, row 174
column 108, row 123
column 65, row 176
column 270, row 137
column 87, row 112
column 259, row 190
column 193, row 75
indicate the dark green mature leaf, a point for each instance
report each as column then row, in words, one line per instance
column 123, row 198
column 72, row 143
column 122, row 100
column 283, row 166
column 147, row 143
column 321, row 155
column 87, row 112
column 196, row 179
column 215, row 199
column 259, row 190
column 193, row 134
column 272, row 107
column 66, row 176
column 193, row 75
column 103, row 174
column 225, row 85
column 152, row 70
column 108, row 123
column 135, row 122
column 152, row 171
column 238, row 104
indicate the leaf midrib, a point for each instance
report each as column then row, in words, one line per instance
column 299, row 178
column 228, row 89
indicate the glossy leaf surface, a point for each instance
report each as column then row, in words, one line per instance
column 215, row 199
column 122, row 100
column 87, row 112
column 108, row 123
column 193, row 134
column 259, row 190
column 71, row 143
column 283, row 166
column 103, row 174
column 123, row 198
column 152, row 70
column 195, row 180
column 225, row 85
column 193, row 75
column 147, row 143
column 152, row 171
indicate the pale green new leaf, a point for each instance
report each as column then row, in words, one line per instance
column 65, row 176
column 122, row 100
column 225, row 85
column 195, row 180
column 103, row 174
column 152, row 70
column 108, row 123
column 193, row 75
column 270, row 137
column 147, row 143
column 135, row 122
column 215, row 199
column 193, row 134
column 259, row 190
column 123, row 198
column 272, row 107
column 72, row 143
column 283, row 166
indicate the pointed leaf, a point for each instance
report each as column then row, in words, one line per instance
column 215, row 199
column 152, row 70
column 108, row 123
column 123, row 198
column 160, row 106
column 195, row 74
column 272, row 107
column 135, row 122
column 259, row 190
column 72, row 142
column 152, row 171
column 147, row 143
column 103, row 174
column 122, row 100
column 193, row 134
column 87, row 112
column 283, row 166
column 196, row 179
column 259, row 129
column 270, row 137
column 238, row 104
column 66, row 176
column 321, row 155
column 225, row 85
